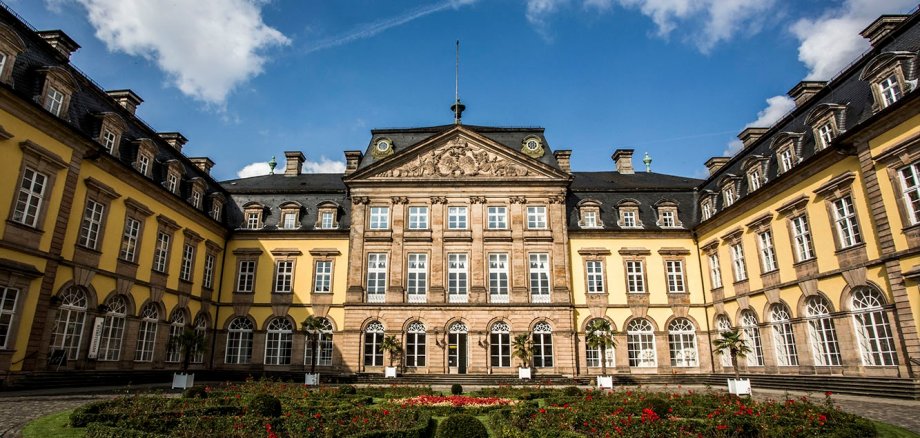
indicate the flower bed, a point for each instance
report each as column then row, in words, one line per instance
column 453, row 400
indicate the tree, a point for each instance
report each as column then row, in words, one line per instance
column 523, row 349
column 736, row 347
column 314, row 326
column 187, row 342
column 599, row 335
column 392, row 346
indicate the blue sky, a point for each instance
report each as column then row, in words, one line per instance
column 245, row 80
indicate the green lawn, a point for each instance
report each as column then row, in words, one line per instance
column 886, row 430
column 54, row 425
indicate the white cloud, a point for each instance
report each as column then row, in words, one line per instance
column 207, row 47
column 324, row 165
column 831, row 41
column 777, row 107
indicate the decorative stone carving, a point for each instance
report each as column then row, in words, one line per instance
column 457, row 159
column 439, row 200
column 517, row 200
column 400, row 200
column 477, row 199
column 360, row 200
column 558, row 199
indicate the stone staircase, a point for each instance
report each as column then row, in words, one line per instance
column 465, row 379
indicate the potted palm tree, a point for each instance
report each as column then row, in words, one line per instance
column 188, row 342
column 391, row 346
column 523, row 349
column 732, row 343
column 599, row 335
column 313, row 325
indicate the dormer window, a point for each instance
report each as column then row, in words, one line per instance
column 729, row 189
column 707, row 209
column 109, row 140
column 172, row 182
column 890, row 90
column 54, row 101
column 197, row 192
column 252, row 213
column 327, row 221
column 327, row 216
column 667, row 214
column 886, row 73
column 290, row 216
column 59, row 86
column 827, row 121
column 755, row 171
column 11, row 45
column 146, row 150
column 173, row 176
column 110, row 129
column 629, row 219
column 589, row 212
column 825, row 135
column 754, row 179
column 217, row 206
column 196, row 199
column 785, row 160
column 629, row 214
column 787, row 146
column 728, row 196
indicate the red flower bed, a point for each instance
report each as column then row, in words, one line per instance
column 454, row 400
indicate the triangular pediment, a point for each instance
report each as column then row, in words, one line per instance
column 458, row 153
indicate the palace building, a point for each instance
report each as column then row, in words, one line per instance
column 457, row 238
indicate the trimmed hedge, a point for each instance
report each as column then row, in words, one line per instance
column 97, row 430
column 264, row 405
column 462, row 426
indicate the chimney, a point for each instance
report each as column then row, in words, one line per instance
column 751, row 134
column 352, row 159
column 203, row 163
column 881, row 27
column 175, row 139
column 716, row 163
column 804, row 90
column 564, row 158
column 126, row 98
column 60, row 41
column 623, row 158
column 294, row 163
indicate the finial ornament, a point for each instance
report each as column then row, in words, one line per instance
column 271, row 165
column 648, row 162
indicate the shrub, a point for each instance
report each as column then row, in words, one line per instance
column 348, row 390
column 195, row 392
column 571, row 391
column 97, row 430
column 462, row 426
column 659, row 405
column 265, row 405
column 456, row 389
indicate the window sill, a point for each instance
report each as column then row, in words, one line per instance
column 860, row 245
column 24, row 227
column 802, row 262
column 126, row 262
column 243, row 292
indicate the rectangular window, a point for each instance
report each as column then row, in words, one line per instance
column 161, row 252
column 129, row 239
column 417, row 280
column 825, row 135
column 289, row 221
column 590, row 219
column 594, row 270
column 498, row 218
column 498, row 278
column 92, row 223
column 707, row 211
column 380, row 218
column 910, row 185
column 55, row 101
column 8, row 297
column 456, row 218
column 2, row 62
column 539, row 278
column 246, row 278
column 284, row 276
column 29, row 200
column 802, row 237
column 536, row 218
column 667, row 219
column 253, row 220
column 208, row 280
column 215, row 211
column 143, row 164
column 108, row 140
column 754, row 179
column 845, row 220
column 767, row 254
column 172, row 182
column 890, row 90
column 418, row 218
column 785, row 160
column 328, row 221
column 322, row 277
column 675, row 276
column 188, row 257
column 196, row 199
column 457, row 278
column 629, row 219
column 715, row 272
column 635, row 279
column 376, row 277
column 738, row 262
column 728, row 196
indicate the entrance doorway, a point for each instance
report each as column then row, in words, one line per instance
column 457, row 356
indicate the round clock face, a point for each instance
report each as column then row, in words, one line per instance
column 382, row 145
column 532, row 145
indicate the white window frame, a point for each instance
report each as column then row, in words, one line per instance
column 594, row 274
column 825, row 134
column 890, row 90
column 728, row 195
column 328, row 220
column 873, row 330
column 536, row 217
column 539, row 277
column 682, row 343
column 289, row 220
column 215, row 210
column 379, row 218
column 417, row 278
column 376, row 277
column 783, row 337
column 147, row 333
column 143, row 164
column 707, row 210
column 457, row 278
column 635, row 277
column 253, row 220
column 196, row 199
column 54, row 102
column 542, row 345
column 754, row 179
column 188, row 256
column 284, row 276
column 786, row 160
column 640, row 344
column 457, row 218
column 846, row 222
column 416, row 344
column 246, row 276
column 675, row 273
column 161, row 252
column 279, row 342
column 92, row 224
column 910, row 190
column 113, row 330
column 108, row 137
column 418, row 217
column 29, row 201
column 208, row 278
column 668, row 219
column 589, row 218
column 752, row 338
column 172, row 182
column 322, row 276
column 767, row 252
column 739, row 269
column 629, row 219
column 497, row 217
column 9, row 298
column 715, row 271
column 822, row 335
column 239, row 341
column 498, row 278
column 801, row 234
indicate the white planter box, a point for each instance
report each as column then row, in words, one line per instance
column 524, row 373
column 183, row 381
column 389, row 372
column 605, row 382
column 739, row 386
column 311, row 379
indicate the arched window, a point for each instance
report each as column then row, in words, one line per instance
column 872, row 330
column 593, row 355
column 176, row 326
column 68, row 328
column 724, row 325
column 279, row 341
column 325, row 345
column 373, row 337
column 147, row 333
column 752, row 338
column 113, row 329
column 783, row 338
column 500, row 344
column 824, row 347
column 201, row 329
column 682, row 343
column 640, row 344
column 415, row 345
column 542, row 345
column 239, row 341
